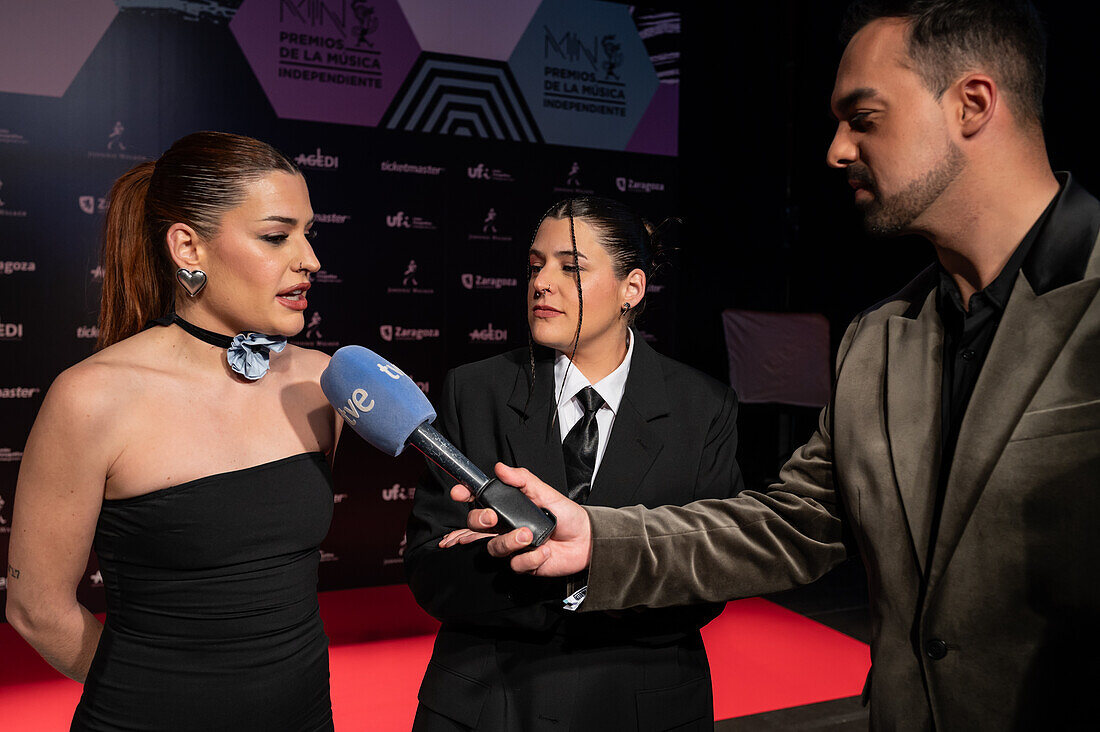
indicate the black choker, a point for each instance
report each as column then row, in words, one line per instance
column 208, row 336
column 247, row 353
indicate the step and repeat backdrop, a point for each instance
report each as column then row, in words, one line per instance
column 432, row 136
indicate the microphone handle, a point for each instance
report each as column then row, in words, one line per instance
column 513, row 509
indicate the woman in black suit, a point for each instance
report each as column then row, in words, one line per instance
column 601, row 416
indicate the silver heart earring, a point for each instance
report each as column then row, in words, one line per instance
column 193, row 280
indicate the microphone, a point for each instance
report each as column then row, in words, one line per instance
column 388, row 410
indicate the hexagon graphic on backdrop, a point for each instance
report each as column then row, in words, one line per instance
column 457, row 95
column 585, row 73
column 43, row 44
column 461, row 28
column 327, row 60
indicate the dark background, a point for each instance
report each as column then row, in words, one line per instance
column 770, row 226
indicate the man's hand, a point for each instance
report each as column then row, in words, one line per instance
column 566, row 552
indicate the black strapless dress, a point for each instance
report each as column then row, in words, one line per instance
column 212, row 615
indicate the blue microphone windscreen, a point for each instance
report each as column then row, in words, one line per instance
column 376, row 398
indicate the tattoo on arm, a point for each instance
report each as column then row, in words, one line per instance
column 13, row 572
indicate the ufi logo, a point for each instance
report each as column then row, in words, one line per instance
column 398, row 221
column 479, row 172
column 318, row 161
column 398, row 492
column 488, row 335
column 9, row 267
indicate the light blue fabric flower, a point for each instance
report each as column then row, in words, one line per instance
column 248, row 353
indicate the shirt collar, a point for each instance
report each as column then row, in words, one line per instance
column 997, row 292
column 611, row 387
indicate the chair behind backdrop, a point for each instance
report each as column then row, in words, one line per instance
column 432, row 136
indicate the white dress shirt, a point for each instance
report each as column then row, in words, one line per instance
column 610, row 388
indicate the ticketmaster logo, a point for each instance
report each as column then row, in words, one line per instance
column 87, row 332
column 317, row 160
column 331, row 218
column 19, row 392
column 477, row 282
column 398, row 333
column 392, row 166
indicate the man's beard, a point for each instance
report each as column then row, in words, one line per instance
column 884, row 216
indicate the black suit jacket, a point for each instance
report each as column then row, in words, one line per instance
column 508, row 656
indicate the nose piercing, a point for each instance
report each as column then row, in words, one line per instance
column 540, row 291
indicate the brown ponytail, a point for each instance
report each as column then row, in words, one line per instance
column 137, row 284
column 195, row 182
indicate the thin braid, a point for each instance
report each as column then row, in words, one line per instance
column 530, row 338
column 580, row 313
column 577, row 277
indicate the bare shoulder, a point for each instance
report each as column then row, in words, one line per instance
column 81, row 419
column 103, row 386
column 306, row 363
column 304, row 367
column 88, row 390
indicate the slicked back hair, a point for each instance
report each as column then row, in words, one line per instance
column 948, row 38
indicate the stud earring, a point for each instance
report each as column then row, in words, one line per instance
column 192, row 280
column 624, row 309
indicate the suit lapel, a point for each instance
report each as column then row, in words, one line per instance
column 914, row 374
column 1031, row 335
column 634, row 443
column 535, row 442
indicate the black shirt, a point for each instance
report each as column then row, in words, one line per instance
column 967, row 336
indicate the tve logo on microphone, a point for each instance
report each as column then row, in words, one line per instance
column 357, row 402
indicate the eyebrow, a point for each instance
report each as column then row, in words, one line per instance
column 289, row 221
column 852, row 98
column 562, row 253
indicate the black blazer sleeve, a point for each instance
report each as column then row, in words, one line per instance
column 463, row 584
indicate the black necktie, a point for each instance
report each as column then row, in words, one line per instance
column 580, row 446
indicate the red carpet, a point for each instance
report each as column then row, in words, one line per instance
column 762, row 656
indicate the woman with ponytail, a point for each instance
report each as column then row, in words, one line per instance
column 192, row 451
column 594, row 411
